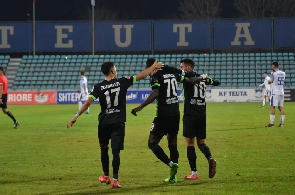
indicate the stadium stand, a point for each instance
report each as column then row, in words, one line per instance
column 62, row 72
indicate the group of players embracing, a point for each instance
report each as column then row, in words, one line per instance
column 164, row 81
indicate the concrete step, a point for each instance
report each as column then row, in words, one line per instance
column 15, row 60
column 13, row 64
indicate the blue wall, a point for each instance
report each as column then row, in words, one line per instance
column 147, row 35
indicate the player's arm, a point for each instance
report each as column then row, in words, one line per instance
column 148, row 71
column 84, row 86
column 154, row 95
column 78, row 90
column 194, row 80
column 213, row 82
column 173, row 70
column 81, row 111
column 1, row 92
column 270, row 80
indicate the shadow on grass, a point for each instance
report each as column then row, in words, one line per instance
column 236, row 129
column 106, row 189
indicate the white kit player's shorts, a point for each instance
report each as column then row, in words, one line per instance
column 82, row 97
column 267, row 92
column 277, row 100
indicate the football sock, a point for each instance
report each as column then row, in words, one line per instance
column 263, row 103
column 159, row 152
column 194, row 172
column 88, row 110
column 105, row 161
column 11, row 116
column 174, row 155
column 206, row 151
column 282, row 119
column 79, row 105
column 192, row 157
column 116, row 162
column 272, row 118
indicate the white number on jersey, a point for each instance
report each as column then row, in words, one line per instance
column 108, row 98
column 172, row 83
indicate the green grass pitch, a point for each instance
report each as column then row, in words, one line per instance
column 43, row 157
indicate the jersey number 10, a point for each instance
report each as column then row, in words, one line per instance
column 199, row 90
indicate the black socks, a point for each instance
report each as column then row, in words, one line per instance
column 174, row 155
column 206, row 151
column 11, row 116
column 105, row 161
column 159, row 152
column 192, row 157
column 116, row 163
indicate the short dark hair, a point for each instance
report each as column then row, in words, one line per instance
column 276, row 64
column 150, row 62
column 265, row 73
column 188, row 61
column 82, row 73
column 2, row 69
column 106, row 67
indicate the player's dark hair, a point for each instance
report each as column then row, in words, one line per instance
column 150, row 62
column 265, row 73
column 82, row 73
column 276, row 64
column 188, row 62
column 106, row 67
column 2, row 69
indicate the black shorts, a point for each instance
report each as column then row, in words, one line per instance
column 4, row 101
column 165, row 125
column 114, row 132
column 194, row 126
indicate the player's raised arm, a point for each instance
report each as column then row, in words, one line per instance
column 194, row 80
column 150, row 99
column 148, row 71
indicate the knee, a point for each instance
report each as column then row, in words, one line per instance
column 152, row 145
column 201, row 145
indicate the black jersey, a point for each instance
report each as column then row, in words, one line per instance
column 195, row 95
column 112, row 98
column 167, row 101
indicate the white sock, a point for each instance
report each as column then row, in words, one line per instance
column 88, row 110
column 282, row 119
column 80, row 105
column 194, row 172
column 170, row 164
column 272, row 118
column 263, row 102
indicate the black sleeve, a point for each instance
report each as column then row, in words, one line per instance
column 127, row 82
column 173, row 70
column 155, row 83
column 213, row 82
column 94, row 94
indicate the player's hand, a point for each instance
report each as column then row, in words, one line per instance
column 204, row 76
column 135, row 110
column 158, row 65
column 71, row 122
column 1, row 101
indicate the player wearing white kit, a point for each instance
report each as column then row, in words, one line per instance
column 277, row 95
column 83, row 96
column 267, row 91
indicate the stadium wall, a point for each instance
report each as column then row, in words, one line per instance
column 149, row 35
column 138, row 96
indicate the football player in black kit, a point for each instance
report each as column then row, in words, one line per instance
column 166, row 121
column 194, row 118
column 112, row 96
